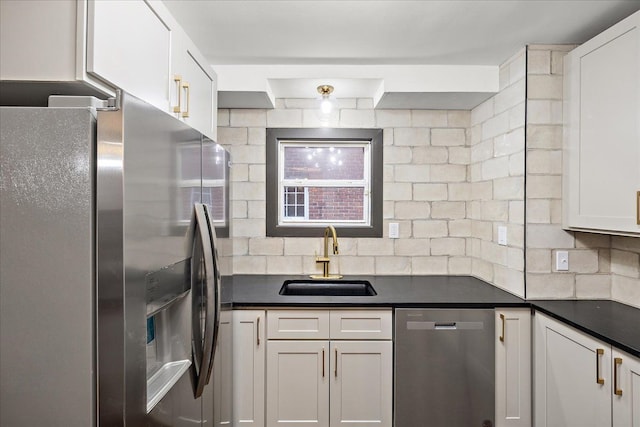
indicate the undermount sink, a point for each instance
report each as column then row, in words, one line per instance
column 351, row 288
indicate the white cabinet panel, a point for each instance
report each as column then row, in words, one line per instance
column 361, row 383
column 572, row 377
column 626, row 390
column 513, row 367
column 248, row 367
column 298, row 324
column 223, row 373
column 361, row 324
column 129, row 46
column 297, row 383
column 602, row 131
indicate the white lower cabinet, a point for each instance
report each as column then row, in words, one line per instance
column 626, row 390
column 513, row 367
column 222, row 373
column 328, row 382
column 574, row 381
column 360, row 392
column 248, row 367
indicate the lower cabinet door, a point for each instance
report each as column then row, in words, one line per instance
column 248, row 368
column 361, row 383
column 626, row 390
column 513, row 367
column 298, row 383
column 572, row 380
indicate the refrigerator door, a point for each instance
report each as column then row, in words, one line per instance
column 141, row 179
column 47, row 353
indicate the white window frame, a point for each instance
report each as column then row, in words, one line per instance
column 364, row 183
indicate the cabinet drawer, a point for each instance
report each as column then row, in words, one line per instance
column 361, row 324
column 298, row 324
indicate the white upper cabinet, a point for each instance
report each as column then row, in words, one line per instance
column 101, row 45
column 602, row 132
column 129, row 46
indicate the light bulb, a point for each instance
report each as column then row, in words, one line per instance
column 326, row 106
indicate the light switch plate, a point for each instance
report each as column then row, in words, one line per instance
column 394, row 230
column 562, row 260
column 502, row 235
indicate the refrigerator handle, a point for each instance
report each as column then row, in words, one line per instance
column 205, row 324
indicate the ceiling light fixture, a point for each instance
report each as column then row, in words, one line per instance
column 326, row 105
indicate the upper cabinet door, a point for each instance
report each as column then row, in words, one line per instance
column 193, row 87
column 129, row 46
column 602, row 132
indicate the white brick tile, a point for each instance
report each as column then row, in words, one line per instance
column 593, row 286
column 304, row 246
column 375, row 247
column 516, row 211
column 448, row 173
column 625, row 263
column 257, row 209
column 223, row 117
column 544, row 187
column 549, row 236
column 450, row 246
column 412, row 173
column 550, row 286
column 249, row 191
column 393, row 118
column 232, row 136
column 284, row 265
column 448, row 137
column 397, row 155
column 460, row 265
column 249, row 265
column 482, row 151
column 393, row 265
column 356, row 264
column 429, row 265
column 357, row 118
column 412, row 210
column 284, row 118
column 582, row 261
column 482, row 230
column 496, row 125
column 626, row 290
column 430, row 118
column 266, row 246
column 539, row 62
column 257, row 173
column 412, row 247
column 539, row 211
column 592, row 241
column 448, row 210
column 538, row 112
column 497, row 167
column 257, row 136
column 429, row 229
column 411, row 136
column 248, row 228
column 517, row 67
column 630, row 244
column 482, row 112
column 239, row 209
column 460, row 191
column 430, row 155
column 544, row 87
column 482, row 269
column 538, row 260
column 495, row 210
column 314, row 118
column 460, row 228
column 516, row 164
column 398, row 191
column 364, row 104
column 508, row 188
column 239, row 173
column 459, row 155
column 430, row 192
column 457, row 118
column 510, row 97
column 509, row 143
column 517, row 116
column 248, row 118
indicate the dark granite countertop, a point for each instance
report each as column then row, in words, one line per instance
column 609, row 321
column 392, row 291
column 612, row 322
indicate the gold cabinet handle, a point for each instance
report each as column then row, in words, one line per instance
column 638, row 207
column 185, row 86
column 502, row 335
column 335, row 369
column 258, row 331
column 616, row 362
column 322, row 362
column 599, row 352
column 178, row 79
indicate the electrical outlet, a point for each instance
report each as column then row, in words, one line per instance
column 562, row 260
column 394, row 230
column 502, row 235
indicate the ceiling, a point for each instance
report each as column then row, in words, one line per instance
column 254, row 36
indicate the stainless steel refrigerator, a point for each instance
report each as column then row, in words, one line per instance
column 109, row 276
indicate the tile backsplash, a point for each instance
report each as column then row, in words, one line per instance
column 451, row 179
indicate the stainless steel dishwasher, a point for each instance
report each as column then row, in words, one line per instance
column 444, row 368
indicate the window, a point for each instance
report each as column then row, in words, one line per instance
column 317, row 177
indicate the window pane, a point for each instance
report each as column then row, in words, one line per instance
column 294, row 200
column 324, row 162
column 336, row 203
column 214, row 198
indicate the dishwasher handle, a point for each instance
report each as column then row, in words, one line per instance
column 443, row 326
